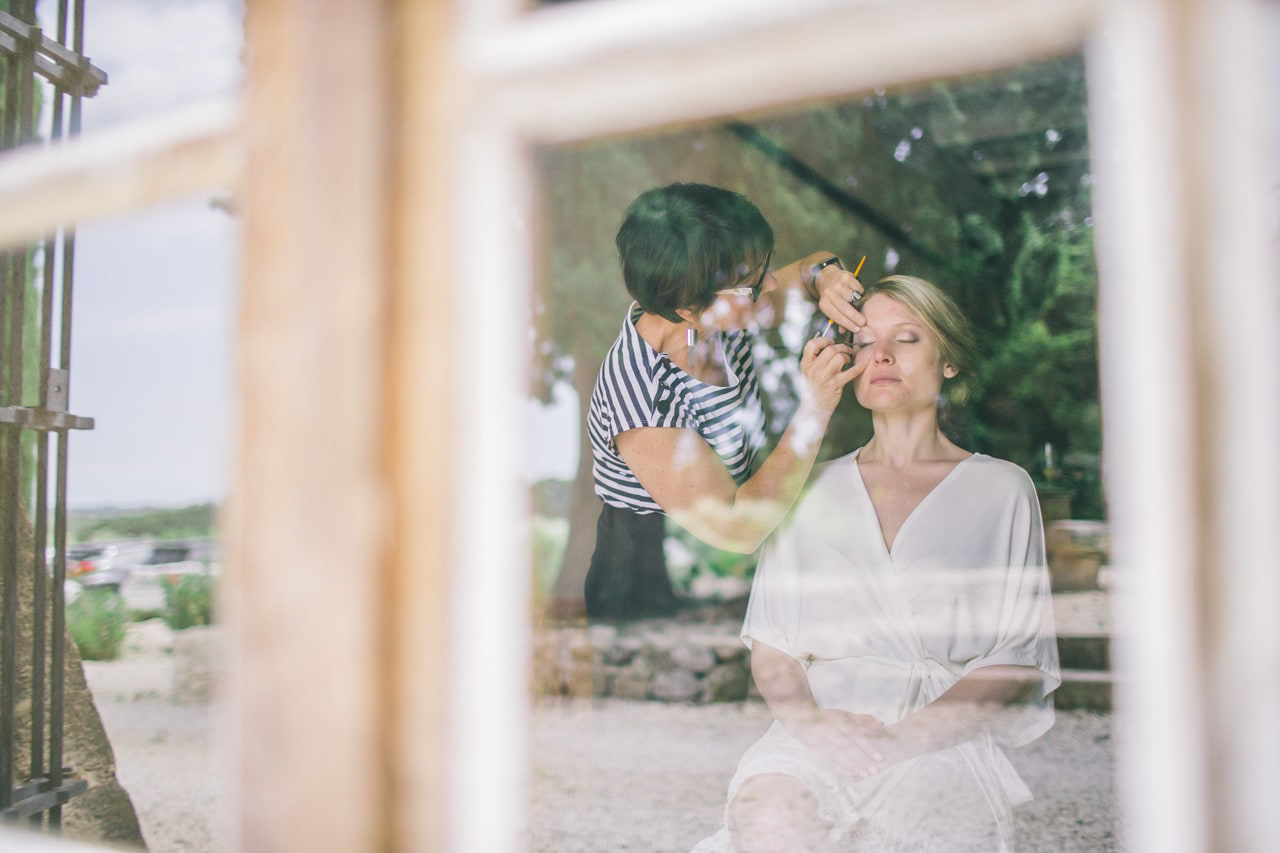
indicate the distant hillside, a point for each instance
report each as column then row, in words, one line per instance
column 104, row 523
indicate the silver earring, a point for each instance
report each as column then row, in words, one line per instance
column 691, row 337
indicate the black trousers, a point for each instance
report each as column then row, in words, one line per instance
column 628, row 577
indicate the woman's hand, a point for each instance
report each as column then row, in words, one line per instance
column 837, row 291
column 850, row 740
column 825, row 365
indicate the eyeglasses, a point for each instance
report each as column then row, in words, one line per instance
column 754, row 290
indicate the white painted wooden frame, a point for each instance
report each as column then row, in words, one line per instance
column 420, row 706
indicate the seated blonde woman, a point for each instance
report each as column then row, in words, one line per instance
column 900, row 621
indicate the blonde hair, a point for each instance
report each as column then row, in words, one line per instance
column 946, row 323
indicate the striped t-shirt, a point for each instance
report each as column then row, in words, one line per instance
column 640, row 387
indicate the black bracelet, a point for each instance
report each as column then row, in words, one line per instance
column 819, row 267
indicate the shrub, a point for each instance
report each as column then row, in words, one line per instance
column 188, row 601
column 96, row 620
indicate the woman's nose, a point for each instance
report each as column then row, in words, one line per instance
column 882, row 354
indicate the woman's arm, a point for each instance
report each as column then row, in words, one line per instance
column 851, row 740
column 982, row 701
column 683, row 474
column 831, row 288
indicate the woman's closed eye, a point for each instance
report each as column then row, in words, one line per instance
column 905, row 339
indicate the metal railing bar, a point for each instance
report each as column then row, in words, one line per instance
column 31, row 804
column 44, row 420
column 40, row 520
column 8, row 636
column 39, row 654
column 54, row 61
column 24, row 63
column 9, row 438
column 58, row 658
column 45, row 790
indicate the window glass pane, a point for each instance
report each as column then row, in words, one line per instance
column 980, row 185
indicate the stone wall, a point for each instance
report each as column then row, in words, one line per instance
column 662, row 660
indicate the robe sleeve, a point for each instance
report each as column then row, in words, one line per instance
column 1024, row 633
column 773, row 610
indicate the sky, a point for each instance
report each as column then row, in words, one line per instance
column 153, row 298
column 153, row 316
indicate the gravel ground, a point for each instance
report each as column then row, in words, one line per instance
column 165, row 752
column 613, row 775
column 607, row 775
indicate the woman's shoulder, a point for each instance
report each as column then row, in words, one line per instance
column 999, row 473
column 629, row 353
column 830, row 467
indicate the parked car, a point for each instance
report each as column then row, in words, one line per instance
column 103, row 565
column 143, row 586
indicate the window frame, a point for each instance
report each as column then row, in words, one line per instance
column 433, row 718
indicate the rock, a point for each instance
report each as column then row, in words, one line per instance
column 601, row 637
column 727, row 649
column 581, row 676
column 547, row 678
column 623, row 650
column 728, row 682
column 677, row 685
column 696, row 658
column 197, row 656
column 632, row 682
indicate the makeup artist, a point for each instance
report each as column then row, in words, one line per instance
column 676, row 422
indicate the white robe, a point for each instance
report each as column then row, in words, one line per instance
column 885, row 633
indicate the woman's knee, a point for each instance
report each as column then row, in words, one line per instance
column 773, row 813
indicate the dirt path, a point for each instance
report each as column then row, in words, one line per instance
column 165, row 752
column 607, row 775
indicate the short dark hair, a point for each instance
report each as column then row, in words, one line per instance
column 680, row 243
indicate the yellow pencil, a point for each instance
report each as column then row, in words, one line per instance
column 831, row 324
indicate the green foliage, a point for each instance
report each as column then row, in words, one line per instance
column 196, row 521
column 1038, row 380
column 96, row 620
column 549, row 537
column 698, row 559
column 188, row 601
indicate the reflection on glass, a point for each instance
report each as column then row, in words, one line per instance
column 980, row 185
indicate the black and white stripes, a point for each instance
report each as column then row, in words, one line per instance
column 639, row 387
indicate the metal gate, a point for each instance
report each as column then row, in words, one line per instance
column 34, row 387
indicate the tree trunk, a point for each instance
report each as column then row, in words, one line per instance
column 584, row 507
